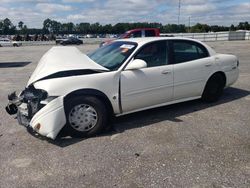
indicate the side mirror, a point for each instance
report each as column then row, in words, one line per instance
column 136, row 64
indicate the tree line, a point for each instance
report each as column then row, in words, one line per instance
column 54, row 27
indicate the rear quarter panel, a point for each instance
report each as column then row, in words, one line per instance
column 228, row 64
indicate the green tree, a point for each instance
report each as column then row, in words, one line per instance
column 243, row 26
column 20, row 25
column 47, row 25
column 1, row 27
column 55, row 27
column 8, row 27
column 83, row 28
column 232, row 28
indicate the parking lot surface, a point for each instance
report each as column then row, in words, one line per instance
column 192, row 144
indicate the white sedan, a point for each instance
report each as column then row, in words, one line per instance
column 5, row 42
column 77, row 93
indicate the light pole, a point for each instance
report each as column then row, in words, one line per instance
column 189, row 24
column 179, row 12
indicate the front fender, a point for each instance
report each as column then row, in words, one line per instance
column 50, row 119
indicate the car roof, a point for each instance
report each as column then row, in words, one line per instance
column 140, row 29
column 144, row 40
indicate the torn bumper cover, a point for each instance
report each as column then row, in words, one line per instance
column 36, row 110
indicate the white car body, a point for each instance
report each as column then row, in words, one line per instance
column 126, row 90
column 5, row 42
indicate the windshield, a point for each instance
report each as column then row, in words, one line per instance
column 113, row 55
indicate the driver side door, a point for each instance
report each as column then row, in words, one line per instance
column 150, row 86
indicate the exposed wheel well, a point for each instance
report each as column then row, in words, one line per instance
column 221, row 74
column 92, row 92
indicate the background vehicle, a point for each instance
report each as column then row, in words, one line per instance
column 136, row 33
column 7, row 42
column 78, row 93
column 70, row 40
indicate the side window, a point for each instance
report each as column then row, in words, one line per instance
column 149, row 33
column 154, row 54
column 188, row 51
column 135, row 34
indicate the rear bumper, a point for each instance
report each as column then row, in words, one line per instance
column 232, row 76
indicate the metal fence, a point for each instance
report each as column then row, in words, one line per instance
column 38, row 43
column 206, row 37
column 218, row 36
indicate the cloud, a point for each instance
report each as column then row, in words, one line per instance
column 222, row 12
column 114, row 11
column 51, row 8
column 78, row 1
column 23, row 1
column 28, row 16
column 197, row 9
column 243, row 8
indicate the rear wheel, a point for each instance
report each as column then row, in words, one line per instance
column 86, row 116
column 214, row 88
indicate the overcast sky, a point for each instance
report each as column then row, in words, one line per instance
column 33, row 12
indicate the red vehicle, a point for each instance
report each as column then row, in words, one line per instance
column 136, row 33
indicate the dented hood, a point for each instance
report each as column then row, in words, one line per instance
column 59, row 59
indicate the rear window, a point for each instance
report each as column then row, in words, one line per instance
column 149, row 33
column 185, row 51
column 136, row 34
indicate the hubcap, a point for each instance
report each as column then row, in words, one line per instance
column 83, row 117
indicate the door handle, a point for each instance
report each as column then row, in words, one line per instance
column 233, row 68
column 217, row 59
column 208, row 65
column 166, row 72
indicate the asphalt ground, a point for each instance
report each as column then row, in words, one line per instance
column 192, row 144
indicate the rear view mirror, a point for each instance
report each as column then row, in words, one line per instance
column 136, row 64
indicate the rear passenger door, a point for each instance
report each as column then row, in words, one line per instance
column 192, row 66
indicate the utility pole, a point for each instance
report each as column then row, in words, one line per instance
column 179, row 12
column 189, row 24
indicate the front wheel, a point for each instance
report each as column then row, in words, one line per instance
column 86, row 116
column 213, row 89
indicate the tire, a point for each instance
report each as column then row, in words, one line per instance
column 86, row 116
column 15, row 45
column 214, row 88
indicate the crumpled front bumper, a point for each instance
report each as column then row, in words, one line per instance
column 47, row 121
column 50, row 119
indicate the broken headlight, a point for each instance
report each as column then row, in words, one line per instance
column 30, row 94
column 32, row 97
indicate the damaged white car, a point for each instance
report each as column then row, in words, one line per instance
column 77, row 92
